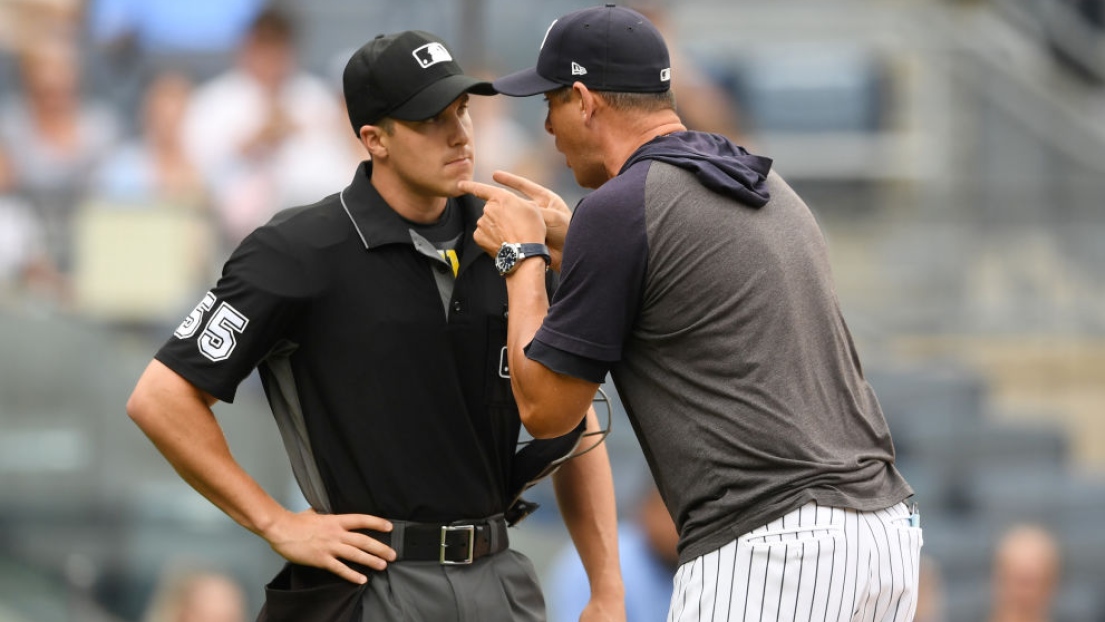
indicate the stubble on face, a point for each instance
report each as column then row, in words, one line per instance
column 571, row 138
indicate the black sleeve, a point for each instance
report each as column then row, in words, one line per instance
column 263, row 287
column 568, row 364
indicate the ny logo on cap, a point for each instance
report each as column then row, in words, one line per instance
column 431, row 54
column 578, row 70
column 546, row 37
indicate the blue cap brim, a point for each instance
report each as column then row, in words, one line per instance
column 525, row 83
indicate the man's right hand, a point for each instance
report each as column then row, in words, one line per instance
column 324, row 540
column 554, row 211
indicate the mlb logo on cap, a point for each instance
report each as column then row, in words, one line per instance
column 431, row 54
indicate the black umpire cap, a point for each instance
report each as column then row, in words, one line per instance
column 409, row 75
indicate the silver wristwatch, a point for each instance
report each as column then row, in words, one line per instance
column 510, row 255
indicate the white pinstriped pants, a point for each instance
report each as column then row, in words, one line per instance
column 816, row 563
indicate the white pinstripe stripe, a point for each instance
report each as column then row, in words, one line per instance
column 694, row 591
column 744, row 564
column 864, row 571
column 802, row 568
column 850, row 569
column 680, row 590
column 727, row 558
column 904, row 605
column 826, row 566
column 816, row 563
column 711, row 565
column 896, row 567
column 701, row 586
column 878, row 553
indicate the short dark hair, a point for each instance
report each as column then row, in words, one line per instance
column 387, row 124
column 561, row 94
column 641, row 102
column 274, row 24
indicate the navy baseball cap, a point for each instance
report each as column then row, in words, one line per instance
column 607, row 48
column 409, row 75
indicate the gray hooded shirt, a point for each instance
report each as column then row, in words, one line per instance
column 700, row 281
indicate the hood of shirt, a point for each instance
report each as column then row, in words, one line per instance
column 720, row 165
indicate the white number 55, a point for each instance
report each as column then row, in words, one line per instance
column 218, row 338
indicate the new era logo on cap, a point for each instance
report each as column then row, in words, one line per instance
column 431, row 54
column 665, row 74
column 578, row 70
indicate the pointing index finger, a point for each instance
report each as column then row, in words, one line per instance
column 480, row 190
column 529, row 188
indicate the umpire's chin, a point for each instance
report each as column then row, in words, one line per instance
column 456, row 171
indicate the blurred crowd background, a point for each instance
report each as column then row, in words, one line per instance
column 952, row 150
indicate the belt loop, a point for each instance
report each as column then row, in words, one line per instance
column 397, row 530
column 494, row 529
column 492, row 534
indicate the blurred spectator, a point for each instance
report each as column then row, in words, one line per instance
column 193, row 26
column 18, row 241
column 136, row 39
column 58, row 136
column 265, row 134
column 22, row 261
column 24, row 23
column 647, row 549
column 930, row 592
column 154, row 169
column 148, row 193
column 197, row 596
column 1025, row 575
column 703, row 104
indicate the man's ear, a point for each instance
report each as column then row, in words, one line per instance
column 587, row 100
column 374, row 139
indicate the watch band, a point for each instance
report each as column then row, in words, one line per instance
column 533, row 249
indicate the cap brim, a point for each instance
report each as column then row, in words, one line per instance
column 525, row 83
column 431, row 100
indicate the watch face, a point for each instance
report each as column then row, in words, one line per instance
column 507, row 258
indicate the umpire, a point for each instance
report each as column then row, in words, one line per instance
column 378, row 328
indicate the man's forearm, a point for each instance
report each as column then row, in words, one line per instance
column 179, row 422
column 585, row 494
column 550, row 404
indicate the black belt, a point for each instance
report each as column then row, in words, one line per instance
column 462, row 542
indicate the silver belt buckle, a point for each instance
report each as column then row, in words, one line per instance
column 445, row 529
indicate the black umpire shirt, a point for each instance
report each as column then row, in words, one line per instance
column 389, row 402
